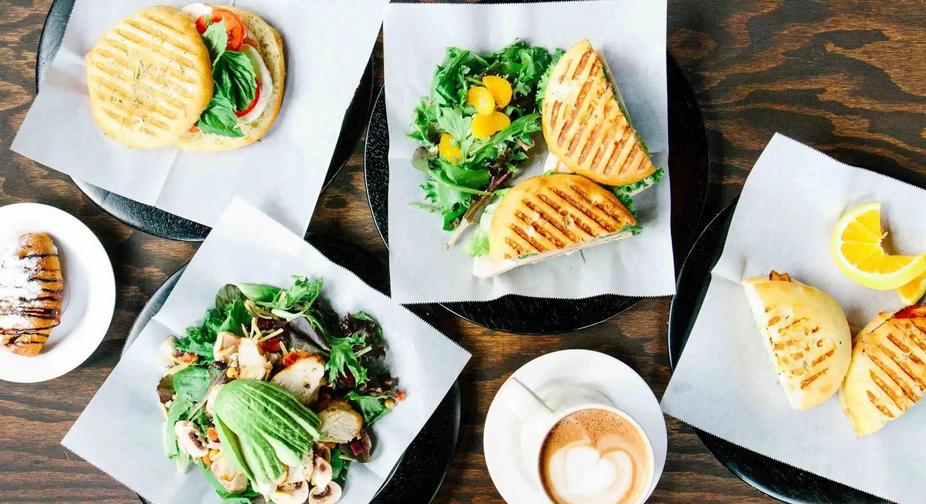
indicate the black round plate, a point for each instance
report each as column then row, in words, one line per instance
column 781, row 481
column 690, row 168
column 154, row 220
column 425, row 463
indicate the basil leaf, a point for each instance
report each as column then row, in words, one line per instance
column 219, row 118
column 216, row 39
column 235, row 78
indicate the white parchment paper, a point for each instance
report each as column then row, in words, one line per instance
column 725, row 383
column 120, row 431
column 327, row 46
column 631, row 34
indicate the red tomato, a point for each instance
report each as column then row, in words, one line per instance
column 233, row 27
column 250, row 107
column 272, row 344
column 294, row 356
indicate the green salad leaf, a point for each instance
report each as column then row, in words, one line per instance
column 625, row 192
column 372, row 407
column 483, row 164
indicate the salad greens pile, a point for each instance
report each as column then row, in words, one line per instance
column 477, row 166
column 235, row 84
column 266, row 361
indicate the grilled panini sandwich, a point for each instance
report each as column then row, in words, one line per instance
column 806, row 334
column 200, row 78
column 547, row 216
column 888, row 371
column 585, row 124
column 31, row 288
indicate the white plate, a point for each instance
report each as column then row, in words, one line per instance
column 89, row 292
column 584, row 368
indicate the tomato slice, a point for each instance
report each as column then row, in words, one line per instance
column 233, row 27
column 250, row 107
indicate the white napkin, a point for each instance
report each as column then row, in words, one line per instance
column 725, row 384
column 631, row 34
column 327, row 45
column 120, row 431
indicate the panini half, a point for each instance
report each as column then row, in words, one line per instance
column 585, row 123
column 31, row 291
column 888, row 371
column 806, row 334
column 547, row 216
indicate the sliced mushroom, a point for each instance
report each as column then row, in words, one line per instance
column 226, row 343
column 251, row 361
column 290, row 494
column 323, row 472
column 303, row 378
column 322, row 450
column 189, row 439
column 340, row 423
column 230, row 476
column 328, row 494
column 166, row 352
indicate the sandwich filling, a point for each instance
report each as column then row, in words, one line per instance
column 243, row 84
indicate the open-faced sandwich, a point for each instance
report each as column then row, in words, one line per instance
column 806, row 334
column 273, row 395
column 31, row 293
column 887, row 375
column 200, row 78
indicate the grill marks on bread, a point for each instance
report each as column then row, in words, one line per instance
column 149, row 78
column 583, row 123
column 31, row 292
column 549, row 213
column 888, row 372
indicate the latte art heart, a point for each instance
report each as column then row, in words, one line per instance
column 595, row 457
column 583, row 473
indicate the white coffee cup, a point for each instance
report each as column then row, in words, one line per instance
column 538, row 417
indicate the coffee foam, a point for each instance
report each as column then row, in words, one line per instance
column 595, row 456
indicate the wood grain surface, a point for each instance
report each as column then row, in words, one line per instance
column 846, row 76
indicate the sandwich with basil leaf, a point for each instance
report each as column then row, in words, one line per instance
column 200, row 78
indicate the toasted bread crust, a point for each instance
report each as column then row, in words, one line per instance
column 584, row 125
column 549, row 213
column 270, row 47
column 806, row 334
column 888, row 372
column 149, row 78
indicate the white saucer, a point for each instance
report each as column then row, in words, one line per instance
column 602, row 373
column 89, row 292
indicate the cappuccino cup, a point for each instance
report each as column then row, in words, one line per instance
column 578, row 448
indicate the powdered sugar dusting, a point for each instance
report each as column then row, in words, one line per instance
column 17, row 274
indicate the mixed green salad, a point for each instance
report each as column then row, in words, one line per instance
column 476, row 126
column 274, row 394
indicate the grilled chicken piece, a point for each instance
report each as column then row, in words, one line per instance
column 303, row 378
column 31, row 292
column 340, row 423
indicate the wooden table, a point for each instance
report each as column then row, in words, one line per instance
column 847, row 76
